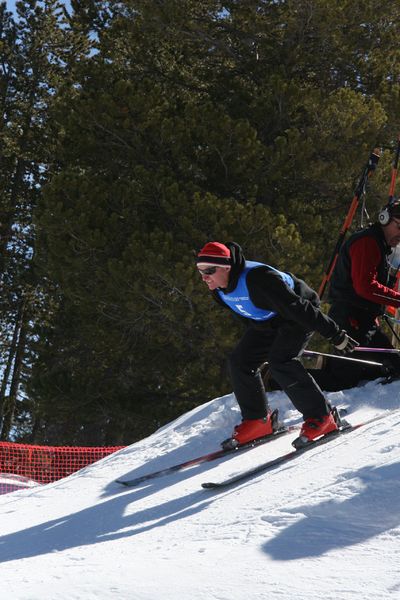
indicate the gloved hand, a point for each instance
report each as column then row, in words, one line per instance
column 343, row 342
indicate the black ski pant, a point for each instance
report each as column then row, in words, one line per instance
column 362, row 325
column 281, row 348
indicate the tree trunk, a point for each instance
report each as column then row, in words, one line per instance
column 19, row 350
column 10, row 360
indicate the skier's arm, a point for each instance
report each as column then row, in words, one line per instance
column 269, row 291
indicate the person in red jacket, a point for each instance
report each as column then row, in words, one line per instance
column 281, row 313
column 360, row 290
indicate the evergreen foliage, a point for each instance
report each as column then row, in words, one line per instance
column 187, row 122
column 35, row 64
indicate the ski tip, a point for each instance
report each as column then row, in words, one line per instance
column 301, row 442
column 209, row 485
column 122, row 482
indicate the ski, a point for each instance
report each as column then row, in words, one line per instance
column 208, row 457
column 289, row 456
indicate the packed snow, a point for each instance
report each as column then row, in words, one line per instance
column 324, row 526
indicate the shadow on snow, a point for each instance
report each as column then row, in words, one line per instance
column 333, row 524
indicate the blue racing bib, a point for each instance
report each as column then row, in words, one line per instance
column 239, row 300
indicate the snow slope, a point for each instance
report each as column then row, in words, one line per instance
column 324, row 526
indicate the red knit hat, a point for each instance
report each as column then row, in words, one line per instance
column 214, row 253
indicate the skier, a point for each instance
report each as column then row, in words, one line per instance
column 361, row 287
column 281, row 312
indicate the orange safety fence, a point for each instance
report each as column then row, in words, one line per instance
column 24, row 465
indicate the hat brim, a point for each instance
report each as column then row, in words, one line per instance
column 211, row 264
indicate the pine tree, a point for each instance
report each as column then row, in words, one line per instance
column 192, row 121
column 35, row 63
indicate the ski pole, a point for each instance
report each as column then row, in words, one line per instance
column 391, row 318
column 394, row 334
column 360, row 190
column 358, row 360
column 384, row 350
column 391, row 200
column 394, row 172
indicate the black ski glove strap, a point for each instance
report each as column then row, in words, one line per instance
column 343, row 342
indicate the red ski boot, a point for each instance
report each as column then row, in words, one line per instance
column 252, row 429
column 314, row 428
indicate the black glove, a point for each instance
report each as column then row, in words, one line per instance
column 343, row 342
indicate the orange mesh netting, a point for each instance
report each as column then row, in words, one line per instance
column 23, row 465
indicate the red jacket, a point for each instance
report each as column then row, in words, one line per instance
column 365, row 257
column 362, row 273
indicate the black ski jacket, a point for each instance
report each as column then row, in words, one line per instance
column 267, row 290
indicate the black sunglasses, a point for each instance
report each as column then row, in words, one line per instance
column 208, row 271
